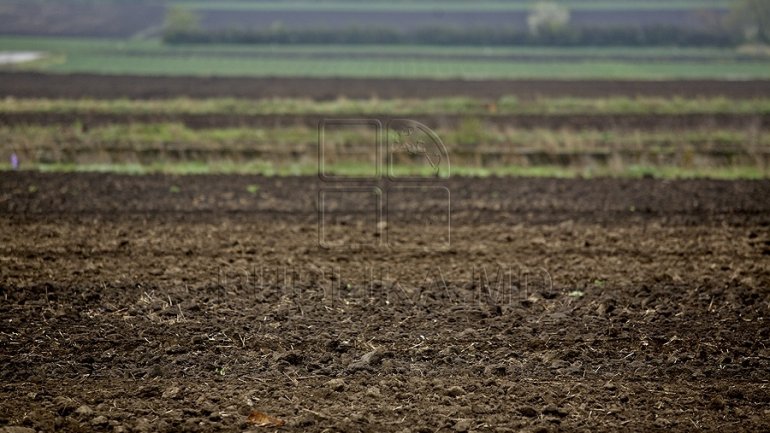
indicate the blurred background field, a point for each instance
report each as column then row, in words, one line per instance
column 610, row 126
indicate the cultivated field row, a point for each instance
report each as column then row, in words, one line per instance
column 82, row 85
column 552, row 136
column 166, row 303
column 472, row 145
column 502, row 105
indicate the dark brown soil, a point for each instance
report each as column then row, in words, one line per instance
column 164, row 303
column 124, row 19
column 601, row 122
column 38, row 85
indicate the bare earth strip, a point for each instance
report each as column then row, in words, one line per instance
column 110, row 87
column 166, row 303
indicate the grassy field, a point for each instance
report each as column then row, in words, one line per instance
column 150, row 57
column 456, row 105
column 155, row 46
column 173, row 137
column 473, row 148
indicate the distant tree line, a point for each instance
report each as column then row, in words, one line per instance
column 549, row 36
column 751, row 19
column 548, row 25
